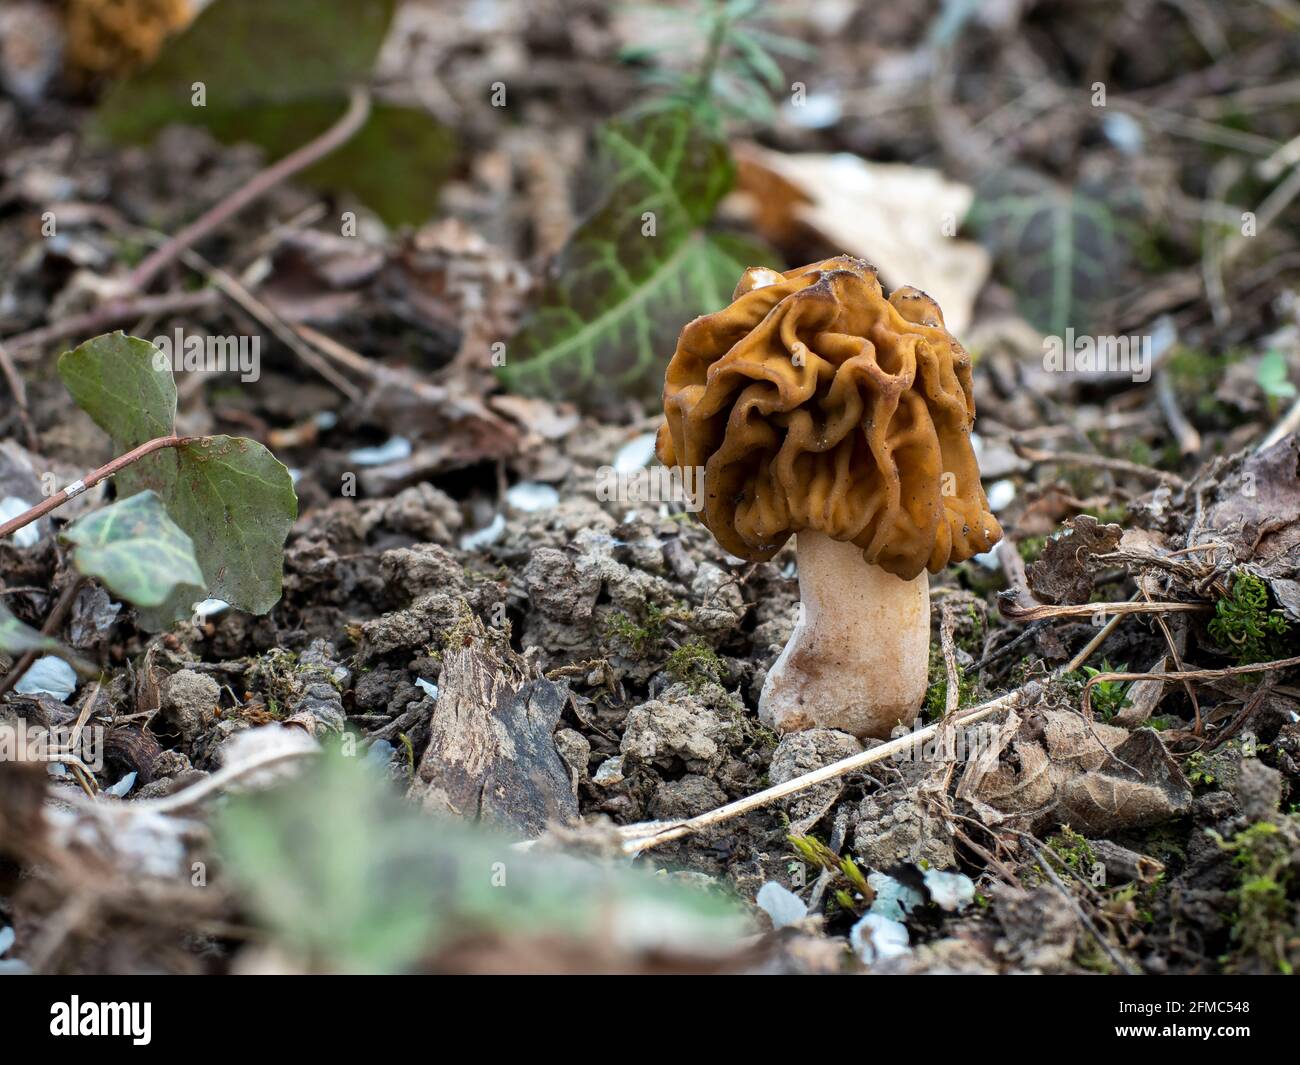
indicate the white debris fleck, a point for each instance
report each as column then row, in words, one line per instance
column 609, row 772
column 123, row 787
column 427, row 686
column 819, row 110
column 635, row 454
column 950, row 891
column 485, row 536
column 10, row 508
column 529, row 496
column 1123, row 131
column 394, row 449
column 782, row 905
column 208, row 608
column 894, row 900
column 1001, row 494
column 876, row 938
column 48, row 676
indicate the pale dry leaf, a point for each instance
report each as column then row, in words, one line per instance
column 901, row 219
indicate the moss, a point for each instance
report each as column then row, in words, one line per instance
column 936, row 695
column 1264, row 930
column 1075, row 851
column 695, row 664
column 1243, row 623
column 641, row 635
column 1031, row 547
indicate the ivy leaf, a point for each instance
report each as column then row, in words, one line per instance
column 1059, row 248
column 637, row 269
column 236, row 501
column 277, row 73
column 125, row 384
column 230, row 495
column 137, row 551
column 17, row 639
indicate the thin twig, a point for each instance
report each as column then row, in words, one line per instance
column 1183, row 675
column 236, row 291
column 641, row 837
column 1087, row 921
column 1289, row 424
column 19, row 390
column 1091, row 646
column 953, row 695
column 334, row 137
column 1189, row 440
column 1013, row 611
column 89, row 481
column 1101, row 462
column 28, row 346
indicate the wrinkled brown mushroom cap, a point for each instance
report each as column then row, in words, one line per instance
column 812, row 402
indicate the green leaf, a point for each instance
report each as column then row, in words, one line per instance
column 17, row 639
column 1059, row 248
column 137, row 551
column 236, row 501
column 605, row 326
column 1273, row 376
column 348, row 876
column 277, row 73
column 247, row 54
column 230, row 495
column 125, row 384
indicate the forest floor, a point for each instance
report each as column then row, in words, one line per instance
column 456, row 554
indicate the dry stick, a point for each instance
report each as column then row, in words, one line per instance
column 1102, row 636
column 642, row 837
column 953, row 693
column 1101, row 462
column 218, row 781
column 236, row 291
column 1189, row 440
column 115, row 312
column 89, row 481
column 1289, row 424
column 1013, row 612
column 1183, row 675
column 334, row 137
column 19, row 390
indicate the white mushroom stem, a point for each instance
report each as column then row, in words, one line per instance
column 859, row 655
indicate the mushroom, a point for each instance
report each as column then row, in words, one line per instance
column 814, row 406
